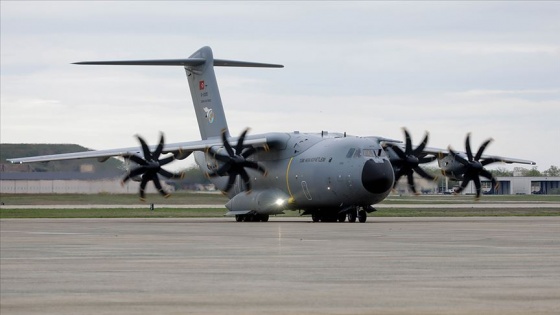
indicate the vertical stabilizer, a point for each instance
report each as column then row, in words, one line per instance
column 206, row 95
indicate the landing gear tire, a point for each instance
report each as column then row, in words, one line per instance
column 315, row 217
column 342, row 217
column 362, row 216
column 352, row 215
column 252, row 217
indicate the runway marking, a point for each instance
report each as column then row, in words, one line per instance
column 45, row 233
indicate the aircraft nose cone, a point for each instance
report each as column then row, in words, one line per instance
column 377, row 178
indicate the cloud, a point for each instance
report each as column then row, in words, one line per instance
column 367, row 68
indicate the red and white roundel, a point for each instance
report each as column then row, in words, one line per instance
column 201, row 85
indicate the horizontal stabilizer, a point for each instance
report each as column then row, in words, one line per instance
column 181, row 62
column 233, row 63
column 159, row 62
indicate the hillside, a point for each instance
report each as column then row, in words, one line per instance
column 9, row 150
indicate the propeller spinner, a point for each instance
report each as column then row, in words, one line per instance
column 150, row 166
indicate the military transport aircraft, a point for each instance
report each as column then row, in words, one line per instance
column 330, row 176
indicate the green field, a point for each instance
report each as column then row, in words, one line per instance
column 179, row 198
column 164, row 207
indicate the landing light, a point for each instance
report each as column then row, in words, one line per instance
column 280, row 202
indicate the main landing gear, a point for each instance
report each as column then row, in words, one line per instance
column 250, row 217
column 353, row 214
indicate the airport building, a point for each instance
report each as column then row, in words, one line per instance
column 70, row 183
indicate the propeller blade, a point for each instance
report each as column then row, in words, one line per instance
column 399, row 152
column 485, row 173
column 425, row 160
column 408, row 142
column 481, row 149
column 143, row 184
column 217, row 156
column 423, row 173
column 136, row 159
column 419, row 149
column 463, row 186
column 252, row 150
column 231, row 181
column 489, row 161
column 145, row 149
column 159, row 148
column 398, row 175
column 246, row 180
column 167, row 160
column 468, row 147
column 227, row 146
column 247, row 153
column 411, row 183
column 133, row 173
column 239, row 146
column 255, row 166
column 159, row 188
column 476, row 181
column 458, row 158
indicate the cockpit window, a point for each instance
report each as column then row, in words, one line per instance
column 357, row 153
column 369, row 153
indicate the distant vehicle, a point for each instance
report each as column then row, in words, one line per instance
column 330, row 176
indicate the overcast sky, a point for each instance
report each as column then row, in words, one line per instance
column 365, row 68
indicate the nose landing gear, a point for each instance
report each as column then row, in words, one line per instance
column 358, row 213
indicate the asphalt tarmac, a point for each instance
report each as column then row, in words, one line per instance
column 486, row 265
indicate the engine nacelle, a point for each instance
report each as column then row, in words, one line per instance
column 270, row 201
column 451, row 168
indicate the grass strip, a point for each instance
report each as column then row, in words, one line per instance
column 111, row 213
column 213, row 212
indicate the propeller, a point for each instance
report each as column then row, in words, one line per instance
column 150, row 166
column 474, row 167
column 407, row 162
column 235, row 162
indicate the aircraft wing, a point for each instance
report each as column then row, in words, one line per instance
column 181, row 150
column 508, row 160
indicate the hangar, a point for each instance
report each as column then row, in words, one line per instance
column 519, row 185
